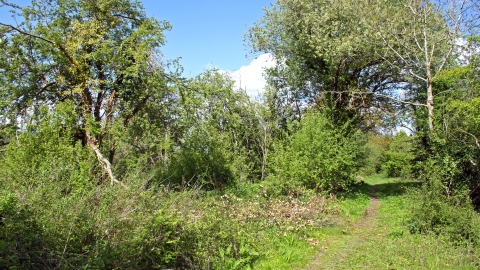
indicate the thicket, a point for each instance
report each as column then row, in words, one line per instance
column 397, row 158
column 110, row 159
column 55, row 213
column 58, row 210
column 447, row 161
column 93, row 226
column 318, row 155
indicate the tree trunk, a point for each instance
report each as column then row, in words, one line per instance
column 264, row 159
column 430, row 104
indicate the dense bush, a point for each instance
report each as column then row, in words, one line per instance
column 51, row 179
column 398, row 156
column 317, row 155
column 442, row 210
column 204, row 159
column 374, row 150
column 21, row 237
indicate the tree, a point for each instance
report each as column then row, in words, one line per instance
column 425, row 36
column 102, row 55
column 458, row 135
column 324, row 61
column 318, row 154
column 217, row 140
column 353, row 57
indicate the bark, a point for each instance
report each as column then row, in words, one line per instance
column 137, row 108
column 107, row 166
column 430, row 105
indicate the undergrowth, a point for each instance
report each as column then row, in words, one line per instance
column 118, row 229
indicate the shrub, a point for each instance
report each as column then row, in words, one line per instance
column 317, row 155
column 441, row 211
column 88, row 224
column 204, row 159
column 21, row 243
column 374, row 151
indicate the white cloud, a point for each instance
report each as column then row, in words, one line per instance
column 251, row 77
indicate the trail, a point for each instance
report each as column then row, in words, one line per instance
column 380, row 238
column 345, row 244
column 369, row 214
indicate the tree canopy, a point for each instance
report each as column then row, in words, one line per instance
column 103, row 56
column 357, row 56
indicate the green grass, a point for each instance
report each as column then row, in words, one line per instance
column 385, row 243
column 296, row 249
column 381, row 242
column 286, row 251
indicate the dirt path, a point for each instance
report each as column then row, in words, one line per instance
column 369, row 213
column 353, row 236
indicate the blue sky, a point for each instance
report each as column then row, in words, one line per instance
column 210, row 33
column 206, row 33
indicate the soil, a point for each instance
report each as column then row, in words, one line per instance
column 355, row 234
column 369, row 213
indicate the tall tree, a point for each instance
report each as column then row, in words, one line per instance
column 423, row 35
column 355, row 56
column 100, row 54
column 457, row 112
column 323, row 58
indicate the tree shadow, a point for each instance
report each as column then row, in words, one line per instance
column 396, row 187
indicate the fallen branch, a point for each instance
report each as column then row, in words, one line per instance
column 107, row 166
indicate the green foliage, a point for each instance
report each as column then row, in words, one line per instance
column 444, row 207
column 218, row 141
column 83, row 75
column 203, row 159
column 374, row 150
column 85, row 225
column 451, row 216
column 49, row 153
column 329, row 56
column 21, row 237
column 317, row 155
column 448, row 174
column 99, row 56
column 398, row 156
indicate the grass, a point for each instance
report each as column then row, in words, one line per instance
column 286, row 251
column 296, row 249
column 385, row 243
column 380, row 242
column 388, row 244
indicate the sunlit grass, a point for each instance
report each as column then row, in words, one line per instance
column 287, row 251
column 382, row 242
column 389, row 245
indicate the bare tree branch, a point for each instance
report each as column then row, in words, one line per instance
column 377, row 94
column 477, row 141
